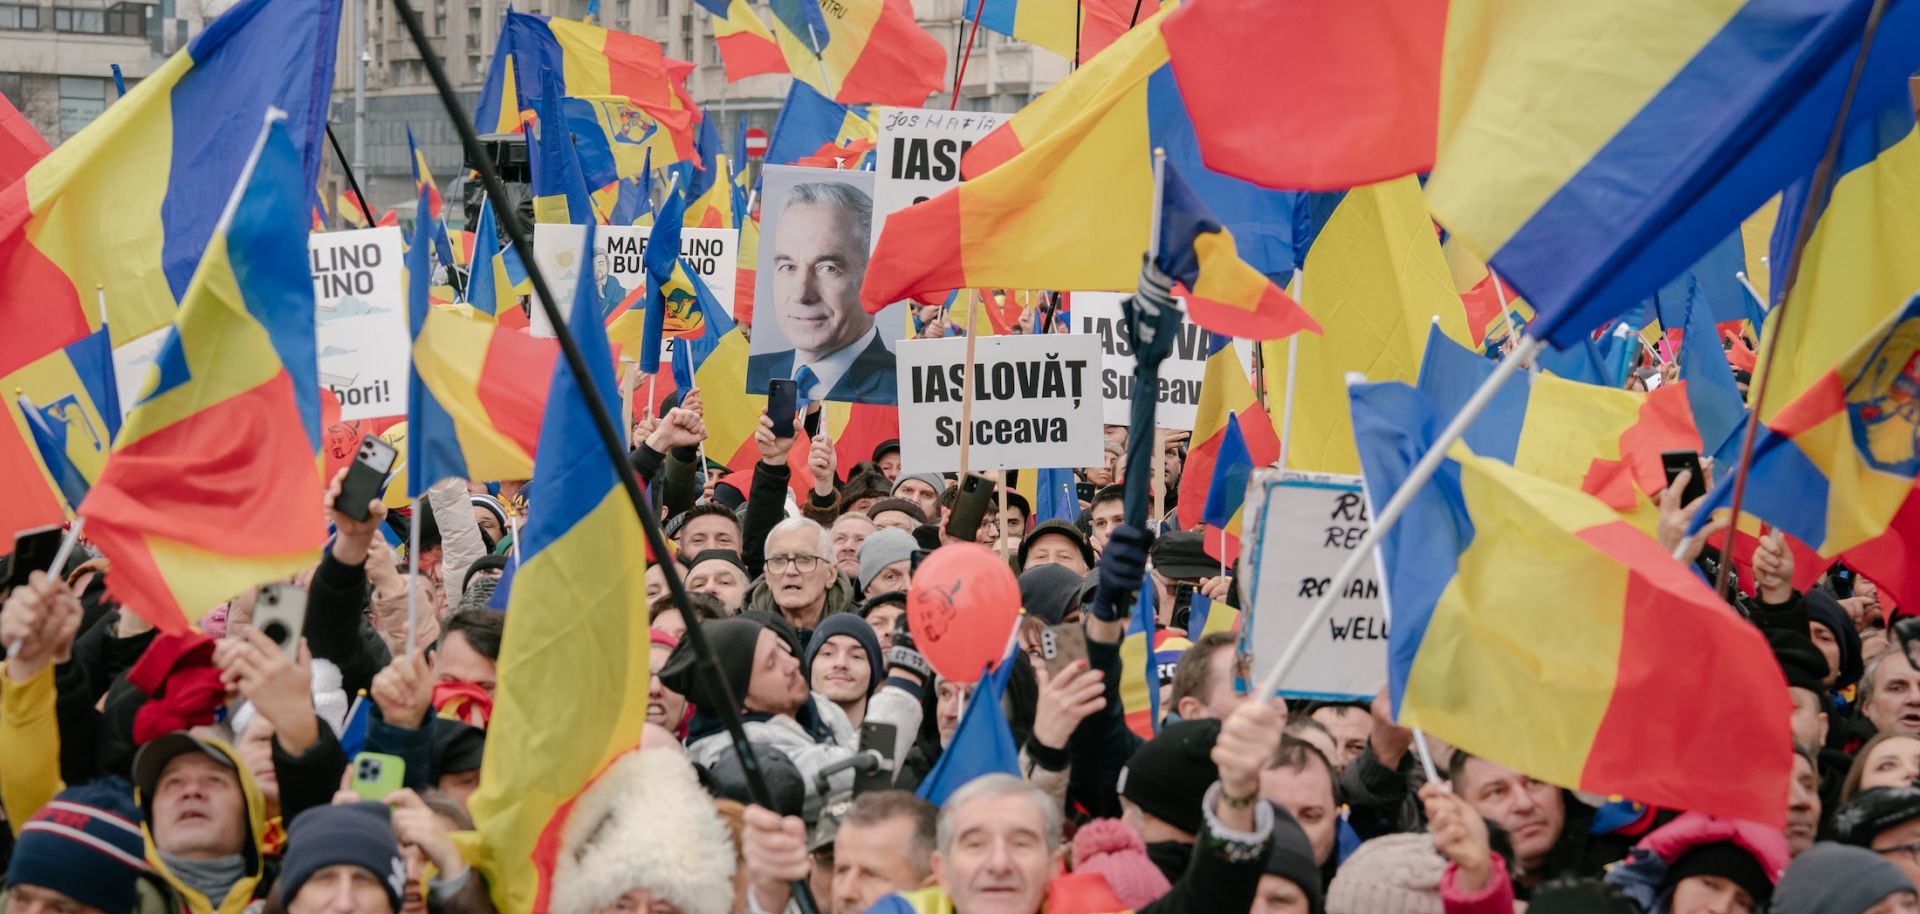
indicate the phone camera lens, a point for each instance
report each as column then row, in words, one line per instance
column 276, row 631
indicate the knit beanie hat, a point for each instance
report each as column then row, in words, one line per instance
column 883, row 548
column 734, row 641
column 904, row 506
column 349, row 834
column 852, row 626
column 1802, row 663
column 1049, row 591
column 85, row 844
column 1169, row 776
column 1393, row 874
column 1823, row 609
column 725, row 555
column 1726, row 860
column 1292, row 859
column 937, row 481
column 1836, row 879
column 1110, row 848
column 456, row 747
column 492, row 506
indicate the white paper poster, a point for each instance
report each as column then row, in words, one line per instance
column 1298, row 530
column 618, row 265
column 1098, row 313
column 1035, row 403
column 359, row 288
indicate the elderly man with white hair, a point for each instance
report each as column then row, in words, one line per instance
column 801, row 584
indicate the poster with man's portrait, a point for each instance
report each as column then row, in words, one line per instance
column 815, row 236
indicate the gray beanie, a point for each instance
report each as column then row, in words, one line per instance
column 1393, row 874
column 1833, row 878
column 884, row 548
column 937, row 481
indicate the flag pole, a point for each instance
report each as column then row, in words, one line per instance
column 1388, row 515
column 966, row 393
column 67, row 542
column 611, row 441
column 1000, row 481
column 413, row 565
column 1822, row 190
column 366, row 209
column 1293, row 362
column 960, row 66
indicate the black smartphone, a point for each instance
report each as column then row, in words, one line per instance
column 33, row 550
column 783, row 397
column 1675, row 461
column 963, row 521
column 366, row 477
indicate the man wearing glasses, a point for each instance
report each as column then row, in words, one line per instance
column 801, row 582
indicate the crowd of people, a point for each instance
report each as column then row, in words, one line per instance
column 227, row 771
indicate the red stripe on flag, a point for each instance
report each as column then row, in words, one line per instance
column 30, row 276
column 1889, row 559
column 636, row 68
column 30, row 501
column 900, row 64
column 921, row 250
column 1674, row 704
column 746, row 54
column 513, row 384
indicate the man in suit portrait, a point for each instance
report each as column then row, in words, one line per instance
column 819, row 260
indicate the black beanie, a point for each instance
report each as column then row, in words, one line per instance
column 733, row 641
column 350, row 834
column 1726, row 860
column 457, row 747
column 1803, row 663
column 1169, row 776
column 1292, row 859
column 1823, row 609
column 1049, row 591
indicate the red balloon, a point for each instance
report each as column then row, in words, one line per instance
column 961, row 609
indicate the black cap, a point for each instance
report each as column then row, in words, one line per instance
column 1055, row 528
column 1183, row 557
column 1874, row 811
column 1169, row 776
column 1804, row 665
column 457, row 747
column 891, row 445
column 733, row 641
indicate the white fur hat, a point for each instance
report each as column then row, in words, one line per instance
column 644, row 824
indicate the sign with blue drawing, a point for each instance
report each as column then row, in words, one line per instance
column 1297, row 529
column 360, row 295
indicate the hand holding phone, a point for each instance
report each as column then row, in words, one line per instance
column 783, row 398
column 366, row 477
column 280, row 613
column 1673, row 462
column 377, row 774
column 33, row 550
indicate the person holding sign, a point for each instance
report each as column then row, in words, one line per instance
column 819, row 261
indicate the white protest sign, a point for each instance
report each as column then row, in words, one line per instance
column 919, row 154
column 618, row 265
column 1298, row 529
column 1035, row 403
column 1180, row 375
column 360, row 296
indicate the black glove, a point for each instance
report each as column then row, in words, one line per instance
column 1123, row 566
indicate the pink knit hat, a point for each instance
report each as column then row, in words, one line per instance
column 1110, row 848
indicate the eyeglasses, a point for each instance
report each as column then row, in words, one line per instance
column 1911, row 850
column 805, row 564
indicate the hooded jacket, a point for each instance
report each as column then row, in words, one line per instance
column 258, row 874
column 1644, row 872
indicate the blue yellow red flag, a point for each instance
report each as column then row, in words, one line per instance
column 1226, row 494
column 1095, row 25
column 489, row 288
column 747, row 48
column 125, row 203
column 1227, row 401
column 982, row 743
column 869, row 51
column 587, row 61
column 211, row 484
column 570, row 631
column 1581, row 697
column 809, row 120
column 75, row 389
column 617, row 139
column 1139, row 675
column 1223, row 293
column 1637, row 155
column 560, row 192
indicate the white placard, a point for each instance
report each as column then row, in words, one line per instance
column 360, row 298
column 919, row 154
column 1036, row 403
column 1098, row 313
column 713, row 253
column 1298, row 530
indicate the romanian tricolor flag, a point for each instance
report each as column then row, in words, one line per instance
column 571, row 635
column 559, row 189
column 1227, row 494
column 74, row 392
column 1603, row 441
column 633, row 203
column 1081, row 156
column 748, row 271
column 125, row 203
column 588, row 62
column 1227, row 402
column 747, row 48
column 212, row 483
column 1637, row 154
column 1375, row 279
column 430, row 210
column 489, row 289
column 1139, row 675
column 1223, row 294
column 1585, row 696
column 1835, row 468
column 491, row 383
column 809, row 120
column 1859, row 265
column 709, row 186
column 616, row 138
column 1099, row 23
column 20, row 144
column 872, row 51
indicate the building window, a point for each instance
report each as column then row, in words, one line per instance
column 623, row 11
column 24, row 18
column 128, row 19
column 82, row 98
column 665, row 10
column 91, row 22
